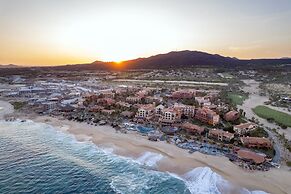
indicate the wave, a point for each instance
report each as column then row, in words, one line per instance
column 202, row 180
column 123, row 174
column 149, row 159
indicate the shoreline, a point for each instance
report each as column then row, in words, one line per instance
column 175, row 160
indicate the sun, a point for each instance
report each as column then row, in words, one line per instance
column 118, row 64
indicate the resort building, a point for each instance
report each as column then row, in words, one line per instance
column 231, row 115
column 208, row 116
column 123, row 104
column 90, row 98
column 107, row 94
column 96, row 108
column 107, row 112
column 221, row 135
column 170, row 116
column 50, row 105
column 203, row 101
column 185, row 109
column 133, row 99
column 142, row 93
column 184, row 94
column 192, row 129
column 66, row 109
column 145, row 111
column 256, row 142
column 106, row 101
column 127, row 114
column 153, row 99
column 250, row 156
column 121, row 90
column 244, row 128
column 159, row 109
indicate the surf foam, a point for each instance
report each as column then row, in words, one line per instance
column 202, row 180
column 149, row 159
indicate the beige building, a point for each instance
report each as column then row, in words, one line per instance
column 186, row 110
column 244, row 128
column 221, row 135
column 170, row 115
column 145, row 111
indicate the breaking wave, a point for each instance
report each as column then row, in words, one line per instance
column 62, row 164
column 150, row 159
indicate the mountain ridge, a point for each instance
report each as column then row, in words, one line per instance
column 175, row 59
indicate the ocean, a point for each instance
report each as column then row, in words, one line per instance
column 37, row 158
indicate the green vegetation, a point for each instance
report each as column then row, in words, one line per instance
column 280, row 118
column 283, row 140
column 259, row 132
column 18, row 105
column 269, row 152
column 288, row 163
column 237, row 99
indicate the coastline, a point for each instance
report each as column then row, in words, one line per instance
column 175, row 160
column 5, row 109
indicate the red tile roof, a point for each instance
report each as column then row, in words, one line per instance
column 256, row 140
column 231, row 115
column 217, row 132
column 192, row 128
column 244, row 125
column 249, row 155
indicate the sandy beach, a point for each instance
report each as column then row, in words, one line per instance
column 5, row 108
column 175, row 160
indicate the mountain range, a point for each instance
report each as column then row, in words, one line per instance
column 8, row 66
column 178, row 59
column 183, row 59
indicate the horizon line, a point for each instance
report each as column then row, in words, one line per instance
column 47, row 65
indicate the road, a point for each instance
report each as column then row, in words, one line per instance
column 252, row 87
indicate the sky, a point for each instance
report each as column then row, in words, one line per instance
column 56, row 32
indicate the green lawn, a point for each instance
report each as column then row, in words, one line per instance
column 277, row 116
column 236, row 99
column 18, row 105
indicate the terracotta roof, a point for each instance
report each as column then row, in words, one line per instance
column 147, row 107
column 244, row 125
column 231, row 115
column 207, row 111
column 173, row 110
column 255, row 140
column 221, row 132
column 192, row 127
column 248, row 155
column 127, row 113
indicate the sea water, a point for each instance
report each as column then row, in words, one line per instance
column 37, row 158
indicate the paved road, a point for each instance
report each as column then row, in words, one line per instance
column 254, row 100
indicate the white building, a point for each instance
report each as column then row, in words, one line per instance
column 170, row 115
column 159, row 109
column 145, row 111
column 187, row 110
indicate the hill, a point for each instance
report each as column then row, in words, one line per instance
column 8, row 66
column 177, row 59
column 188, row 59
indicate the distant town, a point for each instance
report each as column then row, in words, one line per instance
column 199, row 110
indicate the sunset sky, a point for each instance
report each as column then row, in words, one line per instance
column 55, row 32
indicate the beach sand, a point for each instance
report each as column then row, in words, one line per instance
column 5, row 108
column 175, row 160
